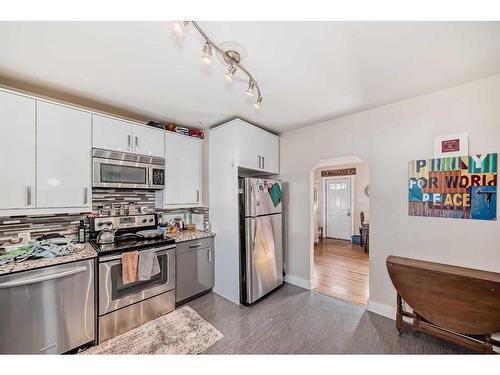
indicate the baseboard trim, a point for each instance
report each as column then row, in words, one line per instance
column 298, row 281
column 382, row 309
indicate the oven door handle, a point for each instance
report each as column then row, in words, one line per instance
column 159, row 252
column 150, row 177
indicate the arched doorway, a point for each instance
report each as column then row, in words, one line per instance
column 340, row 228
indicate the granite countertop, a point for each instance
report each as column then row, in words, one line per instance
column 87, row 252
column 188, row 235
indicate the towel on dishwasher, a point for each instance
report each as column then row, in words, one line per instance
column 129, row 267
column 148, row 264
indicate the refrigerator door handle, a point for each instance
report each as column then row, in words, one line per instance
column 250, row 244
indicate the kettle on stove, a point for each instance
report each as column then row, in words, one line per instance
column 107, row 235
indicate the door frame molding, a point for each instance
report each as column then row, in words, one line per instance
column 323, row 180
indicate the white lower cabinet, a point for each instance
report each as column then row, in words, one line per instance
column 183, row 172
column 63, row 156
column 17, row 152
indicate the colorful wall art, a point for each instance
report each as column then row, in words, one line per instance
column 463, row 187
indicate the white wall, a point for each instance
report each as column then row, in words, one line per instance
column 361, row 201
column 387, row 138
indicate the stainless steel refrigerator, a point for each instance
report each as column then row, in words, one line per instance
column 261, row 237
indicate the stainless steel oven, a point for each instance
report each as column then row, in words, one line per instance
column 126, row 306
column 113, row 169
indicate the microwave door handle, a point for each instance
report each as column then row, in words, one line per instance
column 150, row 177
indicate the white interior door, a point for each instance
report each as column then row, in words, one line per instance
column 338, row 208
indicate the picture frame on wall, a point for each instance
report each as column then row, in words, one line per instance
column 451, row 145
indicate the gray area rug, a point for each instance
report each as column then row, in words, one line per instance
column 182, row 331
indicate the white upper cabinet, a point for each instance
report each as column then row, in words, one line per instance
column 112, row 134
column 259, row 150
column 17, row 151
column 118, row 135
column 183, row 172
column 249, row 147
column 149, row 141
column 270, row 152
column 63, row 156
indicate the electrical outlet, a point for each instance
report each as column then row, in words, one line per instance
column 25, row 236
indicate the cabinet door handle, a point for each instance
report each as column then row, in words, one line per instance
column 263, row 162
column 258, row 160
column 197, row 196
column 129, row 142
column 136, row 143
column 195, row 245
column 209, row 255
column 28, row 195
column 85, row 195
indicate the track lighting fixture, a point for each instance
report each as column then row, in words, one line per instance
column 251, row 88
column 231, row 57
column 206, row 53
column 258, row 102
column 231, row 69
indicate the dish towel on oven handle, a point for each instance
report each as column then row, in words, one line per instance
column 129, row 267
column 148, row 264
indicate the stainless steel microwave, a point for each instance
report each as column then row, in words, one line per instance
column 113, row 169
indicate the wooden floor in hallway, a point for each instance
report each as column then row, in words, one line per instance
column 293, row 320
column 341, row 271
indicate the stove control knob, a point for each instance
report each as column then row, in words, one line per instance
column 144, row 220
column 151, row 220
column 100, row 224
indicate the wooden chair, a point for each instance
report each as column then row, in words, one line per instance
column 364, row 231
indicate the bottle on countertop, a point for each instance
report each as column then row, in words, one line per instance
column 81, row 232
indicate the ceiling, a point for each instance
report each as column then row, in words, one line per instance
column 308, row 71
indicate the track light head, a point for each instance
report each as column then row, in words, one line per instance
column 206, row 53
column 179, row 28
column 230, row 72
column 251, row 87
column 258, row 102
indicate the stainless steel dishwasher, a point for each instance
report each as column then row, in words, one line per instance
column 194, row 269
column 48, row 310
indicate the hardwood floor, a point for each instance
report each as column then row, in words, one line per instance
column 293, row 320
column 341, row 271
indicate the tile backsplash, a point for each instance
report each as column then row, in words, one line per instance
column 107, row 197
column 67, row 224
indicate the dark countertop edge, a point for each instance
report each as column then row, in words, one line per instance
column 194, row 239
